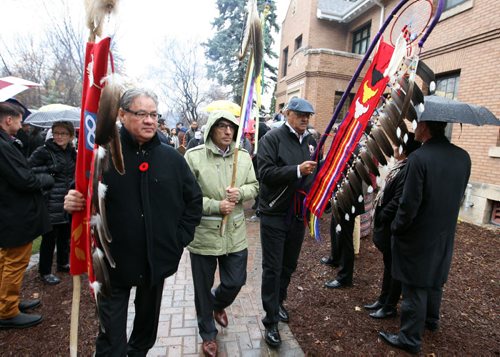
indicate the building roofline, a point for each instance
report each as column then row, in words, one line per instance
column 348, row 15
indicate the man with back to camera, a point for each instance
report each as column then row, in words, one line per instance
column 285, row 173
column 23, row 217
column 423, row 231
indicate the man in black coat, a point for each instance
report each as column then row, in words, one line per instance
column 152, row 213
column 424, row 231
column 285, row 173
column 23, row 217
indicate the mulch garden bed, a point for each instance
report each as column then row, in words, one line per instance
column 325, row 322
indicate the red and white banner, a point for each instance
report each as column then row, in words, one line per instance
column 96, row 67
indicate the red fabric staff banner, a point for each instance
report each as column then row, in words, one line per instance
column 350, row 130
column 96, row 67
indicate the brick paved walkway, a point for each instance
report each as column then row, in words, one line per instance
column 178, row 331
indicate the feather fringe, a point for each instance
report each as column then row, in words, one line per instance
column 109, row 104
column 96, row 11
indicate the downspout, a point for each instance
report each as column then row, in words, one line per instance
column 382, row 12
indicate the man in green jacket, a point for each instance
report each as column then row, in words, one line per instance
column 212, row 165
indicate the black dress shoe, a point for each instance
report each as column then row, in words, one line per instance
column 335, row 284
column 432, row 326
column 328, row 261
column 28, row 304
column 63, row 268
column 375, row 306
column 384, row 313
column 50, row 279
column 272, row 336
column 21, row 320
column 393, row 340
column 283, row 314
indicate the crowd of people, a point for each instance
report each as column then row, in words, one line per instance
column 415, row 216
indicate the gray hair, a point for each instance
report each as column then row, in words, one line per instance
column 130, row 94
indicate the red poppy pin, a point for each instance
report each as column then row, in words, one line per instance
column 144, row 167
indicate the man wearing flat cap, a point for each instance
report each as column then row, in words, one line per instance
column 286, row 174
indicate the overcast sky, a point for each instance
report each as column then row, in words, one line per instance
column 140, row 24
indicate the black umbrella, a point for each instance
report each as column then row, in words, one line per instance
column 437, row 108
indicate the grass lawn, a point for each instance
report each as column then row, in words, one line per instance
column 36, row 245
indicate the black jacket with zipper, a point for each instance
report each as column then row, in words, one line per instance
column 279, row 154
column 60, row 163
column 152, row 213
column 23, row 214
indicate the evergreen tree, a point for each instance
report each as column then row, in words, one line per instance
column 222, row 49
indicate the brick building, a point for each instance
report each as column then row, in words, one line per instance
column 323, row 41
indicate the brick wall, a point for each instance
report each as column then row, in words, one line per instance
column 467, row 41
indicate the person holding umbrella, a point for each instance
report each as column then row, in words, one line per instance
column 57, row 158
column 423, row 231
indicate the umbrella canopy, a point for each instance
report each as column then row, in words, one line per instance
column 10, row 86
column 447, row 110
column 226, row 105
column 51, row 113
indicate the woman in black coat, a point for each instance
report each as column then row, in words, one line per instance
column 386, row 204
column 57, row 158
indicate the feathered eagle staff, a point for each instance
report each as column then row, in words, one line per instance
column 371, row 115
column 252, row 37
column 90, row 236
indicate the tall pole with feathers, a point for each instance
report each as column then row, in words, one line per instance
column 252, row 38
column 100, row 95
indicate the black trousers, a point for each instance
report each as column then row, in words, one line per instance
column 391, row 288
column 281, row 244
column 420, row 306
column 112, row 338
column 59, row 235
column 233, row 275
column 343, row 250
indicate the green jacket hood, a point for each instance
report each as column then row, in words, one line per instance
column 216, row 116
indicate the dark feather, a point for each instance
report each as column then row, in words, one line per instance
column 375, row 151
column 101, row 272
column 424, row 72
column 389, row 128
column 115, row 146
column 382, row 141
column 368, row 161
column 109, row 104
column 362, row 172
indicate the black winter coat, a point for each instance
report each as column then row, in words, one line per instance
column 424, row 227
column 152, row 214
column 60, row 163
column 23, row 214
column 386, row 211
column 279, row 154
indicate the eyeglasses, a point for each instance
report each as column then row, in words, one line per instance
column 143, row 115
column 56, row 133
column 224, row 126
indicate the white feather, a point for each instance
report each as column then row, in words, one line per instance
column 338, row 228
column 101, row 152
column 102, row 190
column 360, row 198
column 95, row 220
column 347, row 217
column 432, row 87
column 370, row 189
